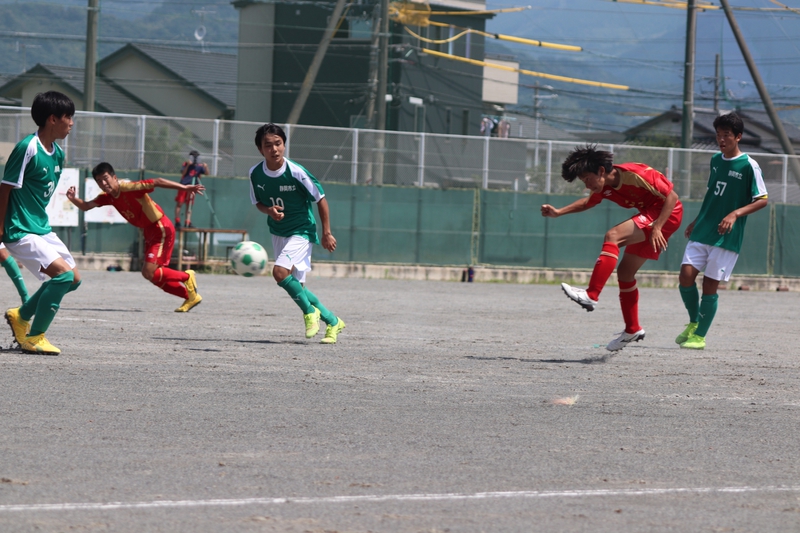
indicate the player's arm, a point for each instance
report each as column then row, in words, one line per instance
column 5, row 191
column 167, row 184
column 72, row 196
column 727, row 223
column 328, row 240
column 579, row 205
column 275, row 212
column 657, row 240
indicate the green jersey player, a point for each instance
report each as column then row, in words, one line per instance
column 735, row 190
column 31, row 175
column 286, row 192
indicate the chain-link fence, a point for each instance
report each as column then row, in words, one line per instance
column 342, row 155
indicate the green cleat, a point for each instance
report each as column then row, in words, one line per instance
column 312, row 323
column 688, row 332
column 19, row 327
column 332, row 332
column 694, row 342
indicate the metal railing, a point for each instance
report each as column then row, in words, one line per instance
column 357, row 156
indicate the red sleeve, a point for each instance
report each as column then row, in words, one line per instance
column 658, row 180
column 102, row 199
column 137, row 186
column 594, row 199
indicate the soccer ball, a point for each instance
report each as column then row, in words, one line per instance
column 248, row 259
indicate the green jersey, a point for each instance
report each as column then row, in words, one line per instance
column 34, row 173
column 294, row 189
column 733, row 183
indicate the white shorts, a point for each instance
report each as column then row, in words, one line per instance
column 715, row 262
column 36, row 252
column 293, row 253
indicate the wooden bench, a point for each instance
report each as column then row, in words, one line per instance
column 205, row 236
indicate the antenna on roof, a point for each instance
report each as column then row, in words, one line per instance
column 199, row 34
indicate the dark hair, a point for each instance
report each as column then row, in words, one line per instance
column 731, row 121
column 101, row 169
column 272, row 129
column 586, row 159
column 51, row 103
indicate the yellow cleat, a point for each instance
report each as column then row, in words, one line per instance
column 686, row 333
column 694, row 342
column 190, row 302
column 332, row 332
column 312, row 323
column 19, row 326
column 191, row 283
column 38, row 344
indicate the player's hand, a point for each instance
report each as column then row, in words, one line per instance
column 329, row 242
column 657, row 240
column 71, row 192
column 197, row 188
column 727, row 223
column 549, row 211
column 276, row 213
column 688, row 232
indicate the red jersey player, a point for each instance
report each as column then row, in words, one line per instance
column 133, row 202
column 644, row 236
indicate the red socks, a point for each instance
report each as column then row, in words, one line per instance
column 171, row 281
column 629, row 301
column 603, row 268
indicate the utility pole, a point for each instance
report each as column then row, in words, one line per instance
column 380, row 99
column 788, row 149
column 716, row 83
column 90, row 70
column 316, row 63
column 687, row 120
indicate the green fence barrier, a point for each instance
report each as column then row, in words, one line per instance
column 414, row 225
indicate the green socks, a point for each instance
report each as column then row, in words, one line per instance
column 691, row 300
column 49, row 298
column 708, row 308
column 12, row 269
column 326, row 316
column 298, row 294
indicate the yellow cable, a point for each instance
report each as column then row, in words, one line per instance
column 527, row 72
column 501, row 37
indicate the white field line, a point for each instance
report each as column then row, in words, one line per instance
column 534, row 494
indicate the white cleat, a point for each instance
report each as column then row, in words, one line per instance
column 579, row 296
column 624, row 339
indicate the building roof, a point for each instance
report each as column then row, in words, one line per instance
column 210, row 72
column 108, row 96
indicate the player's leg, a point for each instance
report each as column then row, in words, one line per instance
column 334, row 324
column 293, row 260
column 179, row 198
column 695, row 259
column 629, row 301
column 719, row 268
column 12, row 269
column 620, row 235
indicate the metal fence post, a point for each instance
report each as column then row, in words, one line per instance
column 670, row 154
column 288, row 130
column 215, row 149
column 421, row 163
column 784, row 177
column 485, row 181
column 354, row 162
column 548, row 172
column 142, row 126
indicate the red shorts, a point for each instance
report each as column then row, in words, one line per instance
column 184, row 197
column 159, row 239
column 645, row 223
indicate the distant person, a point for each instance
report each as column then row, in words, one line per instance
column 31, row 175
column 190, row 175
column 735, row 190
column 644, row 236
column 132, row 200
column 285, row 191
column 9, row 264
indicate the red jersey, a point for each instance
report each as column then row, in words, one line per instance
column 134, row 203
column 640, row 187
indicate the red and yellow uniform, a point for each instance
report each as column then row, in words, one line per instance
column 644, row 189
column 134, row 203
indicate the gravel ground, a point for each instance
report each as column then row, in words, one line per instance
column 434, row 412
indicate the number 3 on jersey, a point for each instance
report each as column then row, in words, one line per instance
column 276, row 201
column 718, row 191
